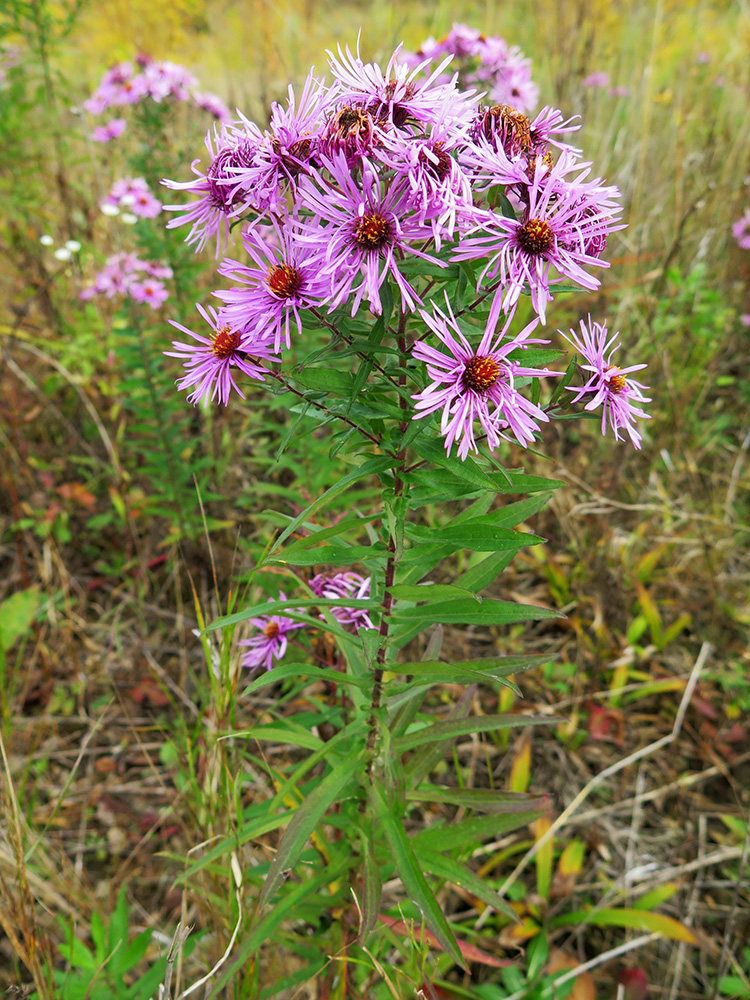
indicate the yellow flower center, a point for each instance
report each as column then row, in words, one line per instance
column 535, row 237
column 271, row 630
column 225, row 342
column 480, row 373
column 372, row 232
column 616, row 383
column 284, row 280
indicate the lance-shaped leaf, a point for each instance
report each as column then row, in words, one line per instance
column 463, row 612
column 485, row 800
column 412, row 876
column 637, row 920
column 492, row 666
column 328, row 555
column 456, row 873
column 369, row 468
column 430, row 592
column 479, row 535
column 306, row 818
column 447, row 836
column 464, row 727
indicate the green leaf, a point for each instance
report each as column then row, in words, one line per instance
column 479, row 799
column 463, row 612
column 485, row 572
column 637, row 920
column 296, row 737
column 412, row 877
column 373, row 891
column 326, row 380
column 329, row 555
column 468, row 470
column 477, row 535
column 430, row 592
column 470, row 832
column 313, row 673
column 17, row 612
column 464, row 727
column 371, row 467
column 118, row 923
column 457, row 874
column 318, row 535
column 305, row 820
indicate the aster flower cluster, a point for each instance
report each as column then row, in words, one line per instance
column 382, row 176
column 125, row 274
column 271, row 638
column 149, row 79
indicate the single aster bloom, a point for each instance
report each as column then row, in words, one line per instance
column 613, row 390
column 271, row 642
column 218, row 196
column 288, row 148
column 440, row 188
column 362, row 230
column 741, row 231
column 345, row 585
column 282, row 282
column 476, row 384
column 209, row 362
column 396, row 95
column 557, row 231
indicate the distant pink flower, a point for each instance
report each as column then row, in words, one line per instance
column 619, row 91
column 134, row 194
column 345, row 585
column 271, row 642
column 150, row 291
column 476, row 384
column 209, row 362
column 741, row 231
column 214, row 105
column 745, row 319
column 96, row 104
column 112, row 130
column 596, row 80
column 613, row 390
column 703, row 57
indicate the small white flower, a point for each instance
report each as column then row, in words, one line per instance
column 127, row 200
column 111, row 210
column 129, row 219
column 62, row 254
column 46, row 241
column 73, row 245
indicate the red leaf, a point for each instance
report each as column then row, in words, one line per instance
column 469, row 951
column 148, row 692
column 635, row 983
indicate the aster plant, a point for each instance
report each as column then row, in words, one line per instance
column 400, row 243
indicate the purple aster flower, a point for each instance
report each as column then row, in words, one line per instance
column 618, row 91
column 745, row 319
column 396, row 95
column 112, row 130
column 210, row 360
column 286, row 150
column 513, row 83
column 741, row 231
column 549, row 123
column 353, row 132
column 271, row 642
column 218, row 199
column 362, row 231
column 344, row 585
column 440, row 189
column 282, row 282
column 476, row 384
column 613, row 390
column 560, row 229
column 462, row 41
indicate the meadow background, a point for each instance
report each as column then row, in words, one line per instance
column 112, row 773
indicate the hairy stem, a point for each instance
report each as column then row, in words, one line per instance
column 390, row 566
